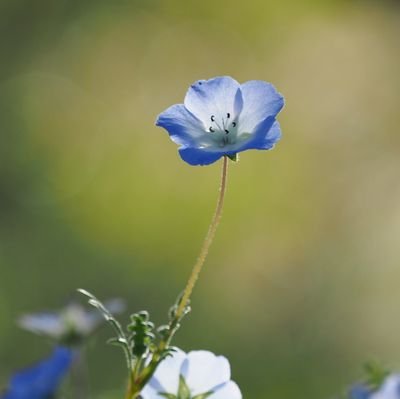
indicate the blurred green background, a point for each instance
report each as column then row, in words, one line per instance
column 302, row 283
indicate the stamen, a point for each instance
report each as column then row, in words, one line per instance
column 233, row 124
column 226, row 131
column 228, row 115
column 219, row 126
column 212, row 118
column 211, row 130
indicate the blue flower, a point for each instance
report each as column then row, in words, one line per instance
column 359, row 391
column 222, row 117
column 41, row 380
column 390, row 389
column 71, row 325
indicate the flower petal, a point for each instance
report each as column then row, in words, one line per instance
column 203, row 371
column 359, row 391
column 49, row 324
column 217, row 96
column 86, row 321
column 264, row 138
column 199, row 156
column 266, row 134
column 166, row 377
column 390, row 388
column 183, row 127
column 229, row 390
column 151, row 392
column 41, row 380
column 260, row 101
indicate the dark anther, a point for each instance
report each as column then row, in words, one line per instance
column 212, row 118
column 200, row 83
column 233, row 124
column 211, row 130
column 228, row 115
column 226, row 131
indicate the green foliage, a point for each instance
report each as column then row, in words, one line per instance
column 167, row 331
column 120, row 339
column 141, row 337
column 184, row 392
column 143, row 352
column 375, row 374
column 203, row 395
column 137, row 342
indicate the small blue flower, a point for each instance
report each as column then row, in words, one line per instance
column 222, row 117
column 71, row 325
column 359, row 391
column 390, row 389
column 41, row 380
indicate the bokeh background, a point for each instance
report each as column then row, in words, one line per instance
column 302, row 282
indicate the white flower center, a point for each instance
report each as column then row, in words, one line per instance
column 223, row 129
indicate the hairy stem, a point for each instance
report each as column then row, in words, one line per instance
column 206, row 244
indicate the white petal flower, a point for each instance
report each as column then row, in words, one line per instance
column 202, row 373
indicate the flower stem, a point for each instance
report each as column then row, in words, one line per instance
column 137, row 382
column 206, row 244
column 79, row 375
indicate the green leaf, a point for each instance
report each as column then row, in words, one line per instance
column 120, row 339
column 167, row 395
column 142, row 336
column 117, row 341
column 203, row 395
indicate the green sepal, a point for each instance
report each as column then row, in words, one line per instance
column 203, row 395
column 234, row 158
column 183, row 391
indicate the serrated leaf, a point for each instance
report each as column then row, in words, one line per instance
column 120, row 339
column 142, row 335
column 116, row 341
column 86, row 293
